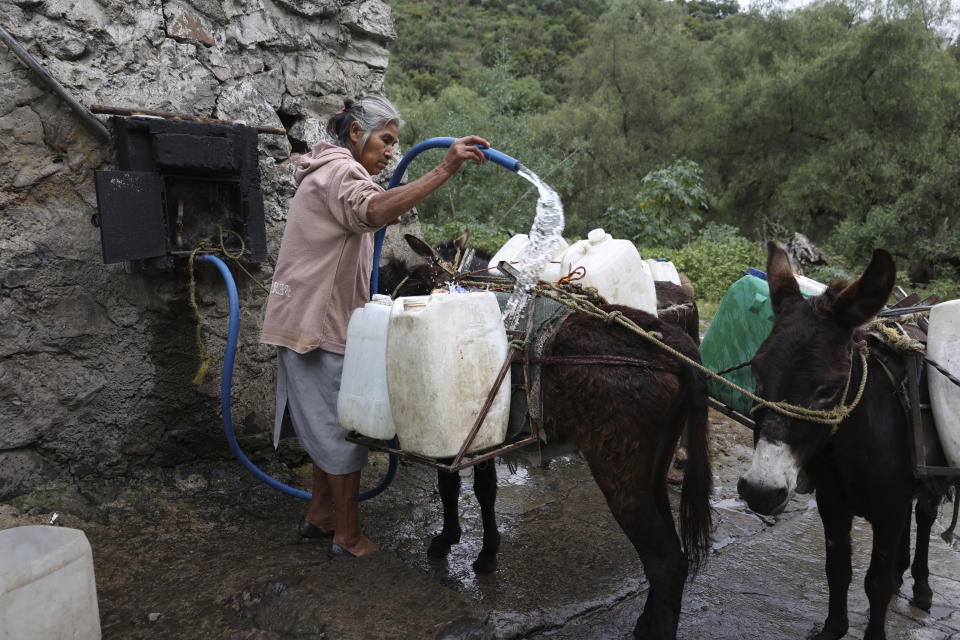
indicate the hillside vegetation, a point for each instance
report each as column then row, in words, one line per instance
column 683, row 125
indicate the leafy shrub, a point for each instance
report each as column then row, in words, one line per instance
column 945, row 288
column 716, row 259
column 827, row 273
column 667, row 207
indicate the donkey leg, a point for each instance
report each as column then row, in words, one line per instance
column 903, row 558
column 926, row 513
column 837, row 521
column 449, row 486
column 643, row 512
column 664, row 563
column 485, row 488
column 880, row 581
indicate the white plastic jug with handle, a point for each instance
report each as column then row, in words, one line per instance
column 444, row 352
column 47, row 586
column 663, row 271
column 809, row 286
column 363, row 404
column 615, row 268
column 943, row 347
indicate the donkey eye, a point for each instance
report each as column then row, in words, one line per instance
column 825, row 393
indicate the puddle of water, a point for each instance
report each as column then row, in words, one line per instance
column 730, row 504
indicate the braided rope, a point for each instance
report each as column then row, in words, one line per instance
column 832, row 417
column 894, row 338
column 201, row 345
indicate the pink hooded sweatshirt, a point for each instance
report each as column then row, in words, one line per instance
column 323, row 270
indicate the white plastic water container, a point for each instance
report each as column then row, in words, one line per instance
column 664, row 271
column 615, row 268
column 943, row 347
column 363, row 404
column 514, row 247
column 47, row 588
column 444, row 352
column 810, row 286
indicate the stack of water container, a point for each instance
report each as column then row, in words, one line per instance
column 421, row 367
column 613, row 266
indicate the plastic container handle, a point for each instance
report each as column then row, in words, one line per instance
column 505, row 161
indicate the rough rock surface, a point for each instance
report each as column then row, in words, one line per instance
column 97, row 361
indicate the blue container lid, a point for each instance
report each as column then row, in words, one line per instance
column 756, row 273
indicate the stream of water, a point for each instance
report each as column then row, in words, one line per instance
column 545, row 234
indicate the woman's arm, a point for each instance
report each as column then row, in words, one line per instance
column 387, row 206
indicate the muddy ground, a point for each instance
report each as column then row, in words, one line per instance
column 206, row 551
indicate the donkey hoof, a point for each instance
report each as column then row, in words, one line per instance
column 486, row 562
column 823, row 634
column 922, row 599
column 440, row 545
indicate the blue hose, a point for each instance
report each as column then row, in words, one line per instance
column 226, row 382
column 493, row 155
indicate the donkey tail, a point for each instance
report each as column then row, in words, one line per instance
column 948, row 534
column 696, row 517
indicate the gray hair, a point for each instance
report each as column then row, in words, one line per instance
column 369, row 112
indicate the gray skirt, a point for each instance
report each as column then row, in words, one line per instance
column 307, row 388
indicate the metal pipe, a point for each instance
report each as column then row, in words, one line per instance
column 124, row 111
column 731, row 413
column 95, row 126
column 379, row 445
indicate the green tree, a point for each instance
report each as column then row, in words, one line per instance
column 823, row 120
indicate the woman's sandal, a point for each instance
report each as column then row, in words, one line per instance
column 309, row 532
column 336, row 551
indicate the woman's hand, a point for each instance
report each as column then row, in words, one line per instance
column 461, row 150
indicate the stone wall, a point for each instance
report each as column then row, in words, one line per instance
column 97, row 361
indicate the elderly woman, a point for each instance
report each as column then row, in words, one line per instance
column 322, row 275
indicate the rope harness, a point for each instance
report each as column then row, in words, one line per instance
column 831, row 416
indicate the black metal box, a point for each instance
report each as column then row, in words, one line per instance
column 177, row 182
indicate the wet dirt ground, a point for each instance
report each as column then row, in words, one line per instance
column 208, row 552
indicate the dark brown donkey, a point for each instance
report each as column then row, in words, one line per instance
column 863, row 466
column 625, row 420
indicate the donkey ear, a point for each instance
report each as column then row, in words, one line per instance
column 462, row 239
column 420, row 247
column 864, row 297
column 783, row 285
